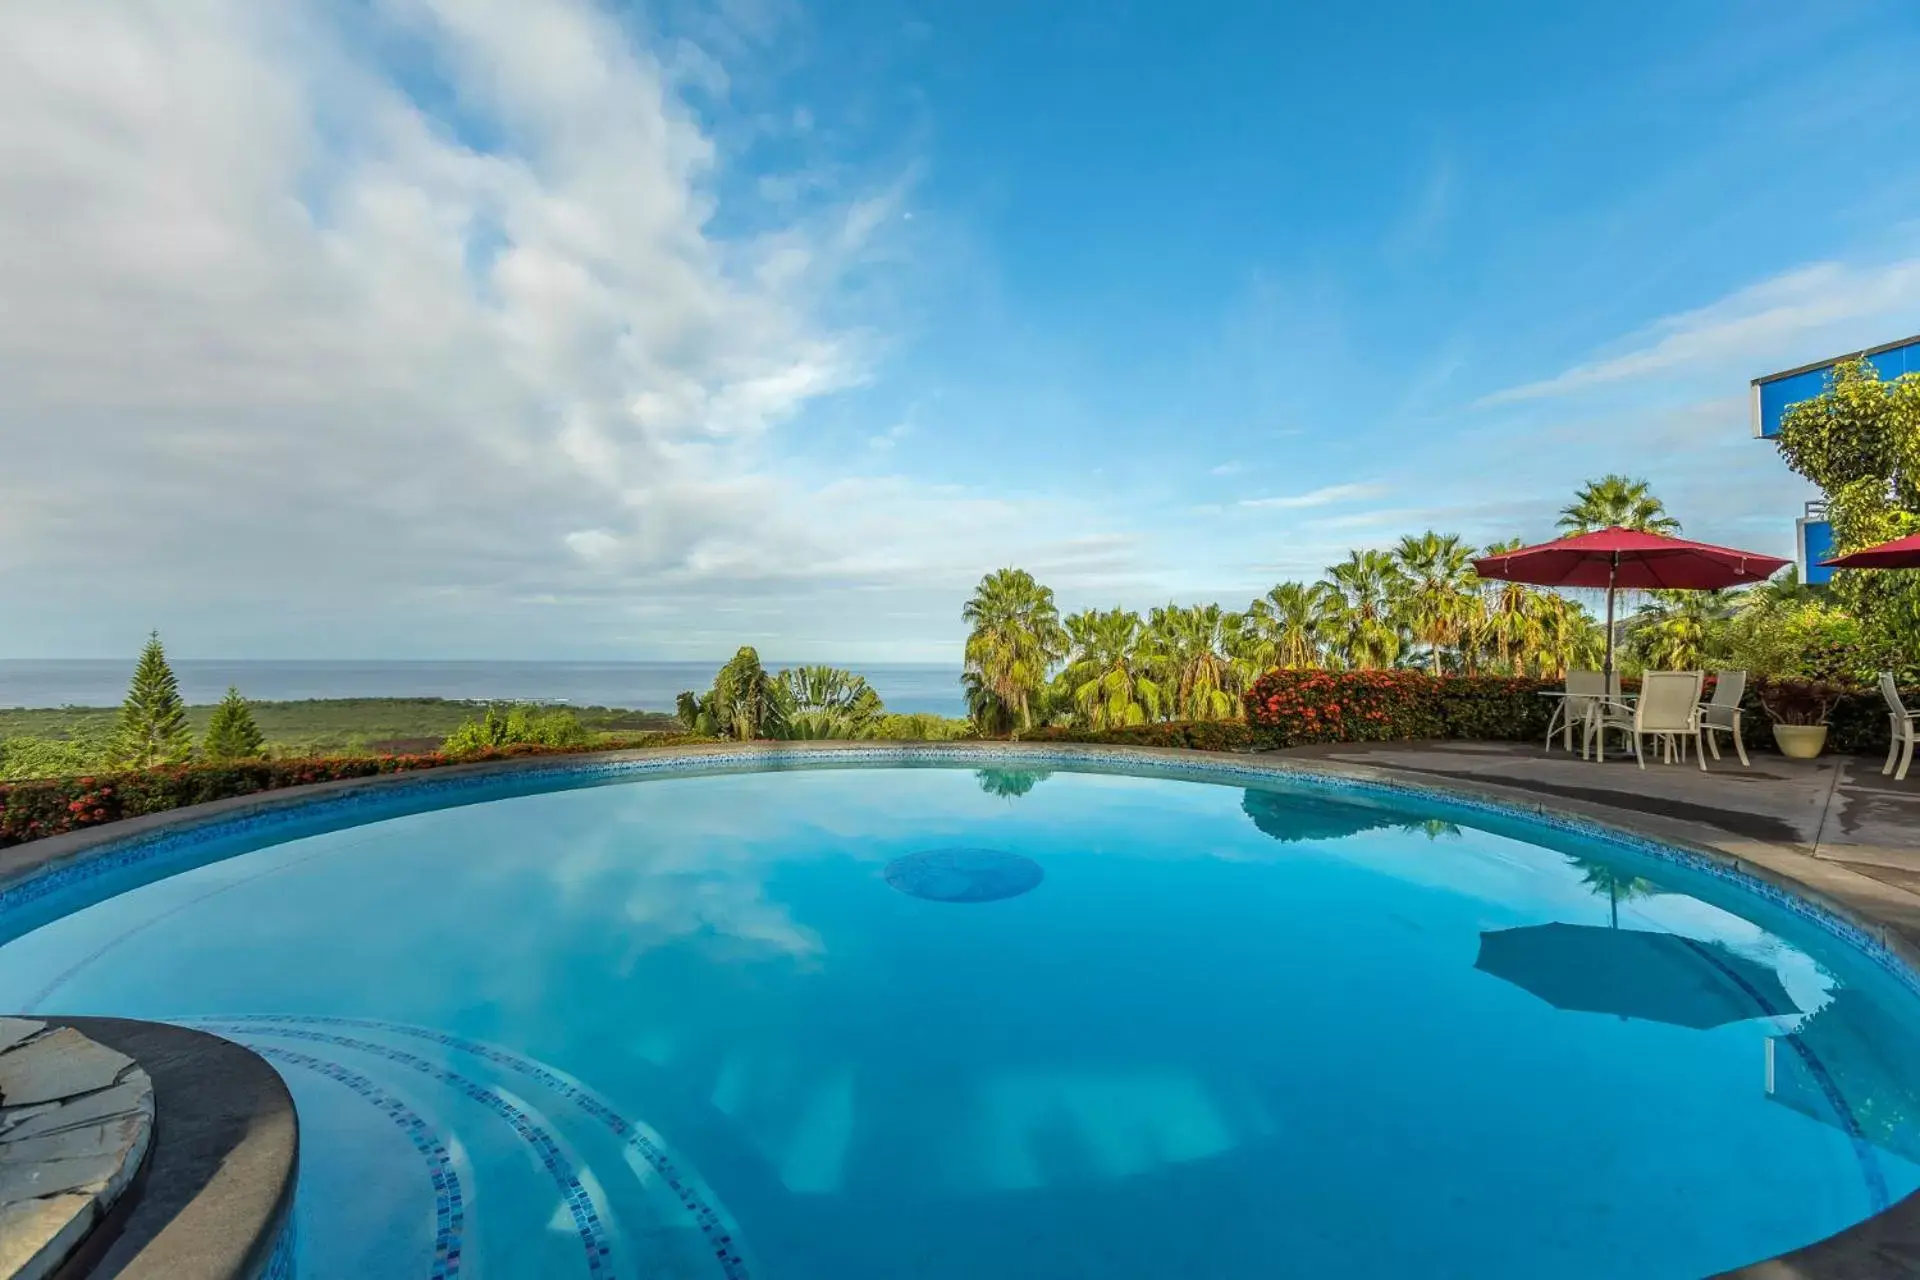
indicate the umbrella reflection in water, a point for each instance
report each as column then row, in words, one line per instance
column 1631, row 973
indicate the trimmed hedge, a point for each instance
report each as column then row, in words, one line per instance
column 49, row 807
column 1288, row 708
column 1195, row 735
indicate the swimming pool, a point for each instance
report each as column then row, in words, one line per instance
column 1040, row 1019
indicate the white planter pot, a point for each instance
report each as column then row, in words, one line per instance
column 1800, row 741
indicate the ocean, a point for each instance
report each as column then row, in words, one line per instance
column 642, row 686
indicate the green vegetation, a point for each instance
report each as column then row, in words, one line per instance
column 1015, row 642
column 801, row 703
column 1859, row 440
column 54, row 742
column 1616, row 501
column 517, row 726
column 1419, row 604
column 153, row 720
column 232, row 734
column 745, row 702
column 826, row 702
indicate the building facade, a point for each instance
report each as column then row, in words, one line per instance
column 1775, row 393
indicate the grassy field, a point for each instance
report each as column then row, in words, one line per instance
column 325, row 725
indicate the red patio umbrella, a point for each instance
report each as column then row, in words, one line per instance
column 1901, row 553
column 1619, row 558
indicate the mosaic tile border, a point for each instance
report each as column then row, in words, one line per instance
column 586, row 1215
column 449, row 1205
column 282, row 810
column 715, row 1226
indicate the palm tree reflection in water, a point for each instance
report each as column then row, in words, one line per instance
column 1010, row 784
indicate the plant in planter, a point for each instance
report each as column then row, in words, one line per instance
column 1799, row 710
column 1803, row 656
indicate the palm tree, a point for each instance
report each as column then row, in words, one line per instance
column 1510, row 616
column 1365, row 583
column 1680, row 630
column 1016, row 640
column 1435, row 591
column 1249, row 653
column 1106, row 673
column 1569, row 636
column 1616, row 500
column 1290, row 624
column 1185, row 648
column 826, row 702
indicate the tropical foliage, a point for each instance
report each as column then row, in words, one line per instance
column 745, row 701
column 1859, row 440
column 1015, row 642
column 806, row 702
column 1616, row 501
column 826, row 702
column 1419, row 603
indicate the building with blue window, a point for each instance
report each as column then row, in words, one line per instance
column 1774, row 394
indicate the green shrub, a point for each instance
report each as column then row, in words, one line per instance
column 518, row 726
column 920, row 726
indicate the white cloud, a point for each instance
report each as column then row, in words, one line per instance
column 1824, row 309
column 1322, row 497
column 1227, row 469
column 291, row 362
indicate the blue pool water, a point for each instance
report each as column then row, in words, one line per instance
column 1134, row 1026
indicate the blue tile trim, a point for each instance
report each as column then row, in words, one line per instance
column 1863, row 1151
column 449, row 1205
column 586, row 1217
column 714, row 1225
column 140, row 850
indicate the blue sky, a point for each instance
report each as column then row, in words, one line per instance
column 389, row 328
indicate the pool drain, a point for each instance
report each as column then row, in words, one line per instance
column 963, row 875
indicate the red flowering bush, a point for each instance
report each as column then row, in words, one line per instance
column 1286, row 708
column 49, row 807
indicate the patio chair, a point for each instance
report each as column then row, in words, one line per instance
column 1722, row 715
column 1669, row 709
column 1584, row 688
column 1900, row 720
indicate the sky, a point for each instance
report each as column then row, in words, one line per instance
column 574, row 329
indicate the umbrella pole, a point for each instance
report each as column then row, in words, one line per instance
column 1613, row 572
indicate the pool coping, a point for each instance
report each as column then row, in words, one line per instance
column 214, row 1200
column 1884, row 1246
